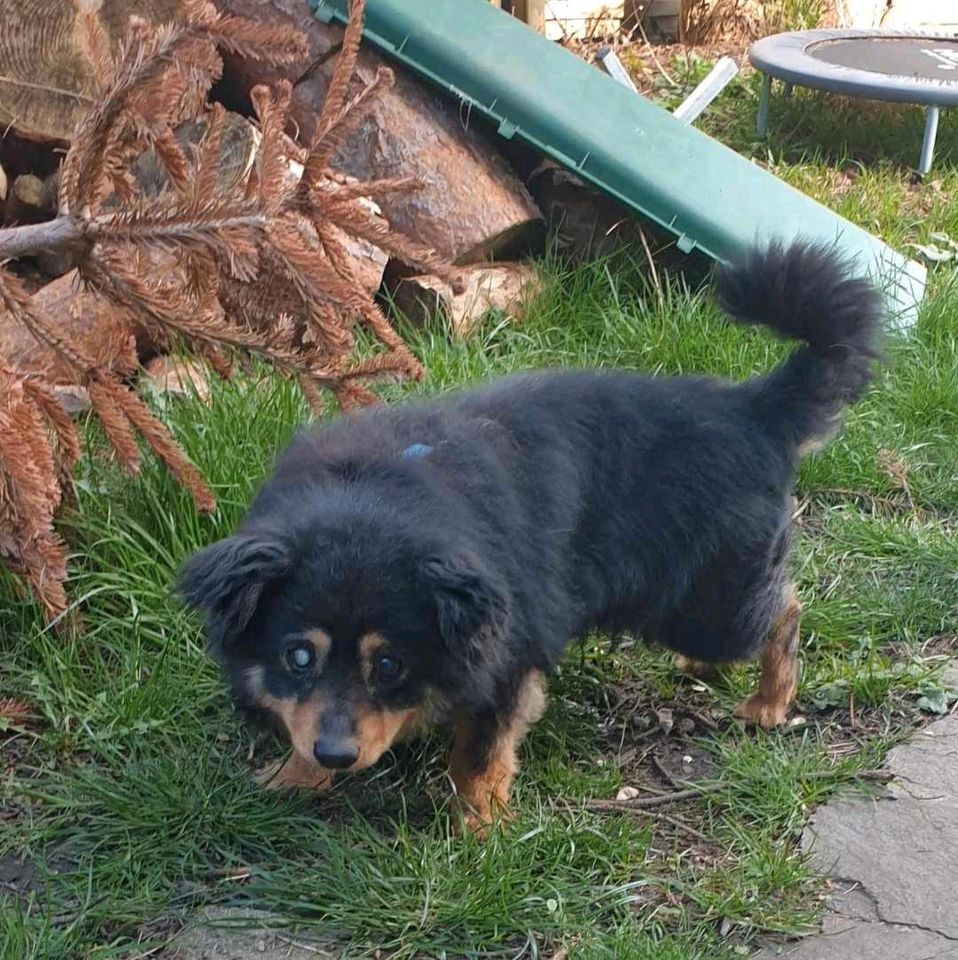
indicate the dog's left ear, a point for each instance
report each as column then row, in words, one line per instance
column 472, row 606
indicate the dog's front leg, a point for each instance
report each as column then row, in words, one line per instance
column 484, row 759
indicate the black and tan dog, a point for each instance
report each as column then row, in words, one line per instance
column 431, row 562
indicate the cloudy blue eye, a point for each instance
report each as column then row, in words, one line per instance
column 300, row 657
column 388, row 669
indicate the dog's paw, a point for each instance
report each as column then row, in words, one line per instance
column 698, row 669
column 481, row 822
column 762, row 713
column 293, row 774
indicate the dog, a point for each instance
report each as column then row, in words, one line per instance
column 430, row 563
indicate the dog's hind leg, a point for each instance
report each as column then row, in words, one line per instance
column 768, row 706
column 484, row 759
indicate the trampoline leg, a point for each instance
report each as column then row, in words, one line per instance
column 788, row 90
column 928, row 145
column 761, row 122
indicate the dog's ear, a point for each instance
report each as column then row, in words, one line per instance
column 472, row 605
column 226, row 580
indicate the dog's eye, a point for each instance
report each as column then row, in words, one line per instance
column 300, row 657
column 388, row 669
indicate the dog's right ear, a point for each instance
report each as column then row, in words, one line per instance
column 226, row 581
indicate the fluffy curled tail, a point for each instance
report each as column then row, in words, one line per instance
column 806, row 292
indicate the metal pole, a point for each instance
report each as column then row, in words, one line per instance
column 720, row 76
column 928, row 144
column 761, row 122
column 613, row 67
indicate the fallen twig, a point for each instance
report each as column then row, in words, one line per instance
column 680, row 825
column 706, row 789
column 701, row 718
column 662, row 800
column 878, row 776
column 873, row 498
column 663, row 773
column 299, row 945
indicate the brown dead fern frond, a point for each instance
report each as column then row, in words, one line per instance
column 257, row 261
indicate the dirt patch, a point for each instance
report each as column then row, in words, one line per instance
column 232, row 934
column 681, row 762
column 18, row 877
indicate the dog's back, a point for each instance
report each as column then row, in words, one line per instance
column 607, row 498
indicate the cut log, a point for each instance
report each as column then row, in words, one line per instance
column 238, row 145
column 30, row 200
column 74, row 399
column 76, row 313
column 472, row 205
column 503, row 287
column 177, row 377
column 587, row 225
column 251, row 302
column 46, row 77
column 33, row 200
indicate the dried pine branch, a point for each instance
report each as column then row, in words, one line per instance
column 227, row 246
column 14, row 710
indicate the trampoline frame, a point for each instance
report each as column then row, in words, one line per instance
column 783, row 57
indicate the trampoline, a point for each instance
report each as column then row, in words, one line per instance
column 891, row 65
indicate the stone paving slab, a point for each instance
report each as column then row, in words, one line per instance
column 893, row 858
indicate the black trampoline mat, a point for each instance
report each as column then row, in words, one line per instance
column 933, row 60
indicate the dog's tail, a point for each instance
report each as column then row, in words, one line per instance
column 806, row 292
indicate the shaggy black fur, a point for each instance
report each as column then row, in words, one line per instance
column 543, row 505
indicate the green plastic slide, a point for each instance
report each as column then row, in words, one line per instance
column 709, row 197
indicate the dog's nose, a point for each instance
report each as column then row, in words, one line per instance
column 335, row 755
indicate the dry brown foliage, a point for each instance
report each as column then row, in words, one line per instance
column 231, row 243
column 703, row 22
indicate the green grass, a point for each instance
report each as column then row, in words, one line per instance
column 131, row 792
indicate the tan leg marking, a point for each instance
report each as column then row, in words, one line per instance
column 768, row 706
column 483, row 795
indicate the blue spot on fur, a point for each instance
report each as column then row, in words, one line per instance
column 416, row 451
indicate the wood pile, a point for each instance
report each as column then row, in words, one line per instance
column 474, row 207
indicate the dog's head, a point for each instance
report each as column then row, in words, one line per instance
column 348, row 632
